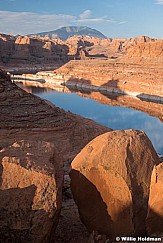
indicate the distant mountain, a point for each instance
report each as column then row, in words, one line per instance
column 65, row 32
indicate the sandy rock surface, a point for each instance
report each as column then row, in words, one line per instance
column 111, row 181
column 30, row 192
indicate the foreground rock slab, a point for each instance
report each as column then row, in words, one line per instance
column 30, row 191
column 110, row 181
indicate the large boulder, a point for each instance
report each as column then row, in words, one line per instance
column 155, row 211
column 110, row 181
column 31, row 178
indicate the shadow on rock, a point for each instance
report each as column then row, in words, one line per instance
column 90, row 200
column 16, row 214
column 94, row 212
column 111, row 89
column 82, row 85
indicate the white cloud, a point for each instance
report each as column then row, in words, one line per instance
column 28, row 22
column 122, row 22
column 95, row 20
column 86, row 14
column 85, row 18
column 159, row 2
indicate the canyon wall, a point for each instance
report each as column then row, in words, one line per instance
column 42, row 53
column 24, row 51
column 139, row 72
column 105, row 48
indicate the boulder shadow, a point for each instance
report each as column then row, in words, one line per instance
column 154, row 223
column 16, row 214
column 90, row 200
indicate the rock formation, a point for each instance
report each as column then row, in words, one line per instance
column 35, row 52
column 30, row 191
column 22, row 50
column 155, row 210
column 122, row 76
column 104, row 48
column 138, row 73
column 147, row 52
column 110, row 181
column 36, row 138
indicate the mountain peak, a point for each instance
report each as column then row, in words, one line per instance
column 65, row 32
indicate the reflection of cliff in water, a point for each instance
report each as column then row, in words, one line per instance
column 33, row 89
column 152, row 108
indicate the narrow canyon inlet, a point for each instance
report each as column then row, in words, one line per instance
column 116, row 112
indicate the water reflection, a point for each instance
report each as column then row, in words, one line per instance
column 113, row 111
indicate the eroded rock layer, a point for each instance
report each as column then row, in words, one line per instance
column 34, row 53
column 120, row 76
column 23, row 52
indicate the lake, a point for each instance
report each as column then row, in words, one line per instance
column 115, row 117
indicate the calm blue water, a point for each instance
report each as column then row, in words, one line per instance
column 115, row 117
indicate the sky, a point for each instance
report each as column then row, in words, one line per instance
column 114, row 18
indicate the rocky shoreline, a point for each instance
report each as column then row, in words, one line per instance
column 137, row 81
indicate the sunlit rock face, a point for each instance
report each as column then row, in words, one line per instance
column 30, row 191
column 155, row 205
column 110, row 181
column 23, row 50
column 151, row 51
column 40, row 50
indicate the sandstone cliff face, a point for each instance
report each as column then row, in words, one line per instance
column 34, row 50
column 110, row 181
column 119, row 76
column 35, row 140
column 106, row 48
column 149, row 52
